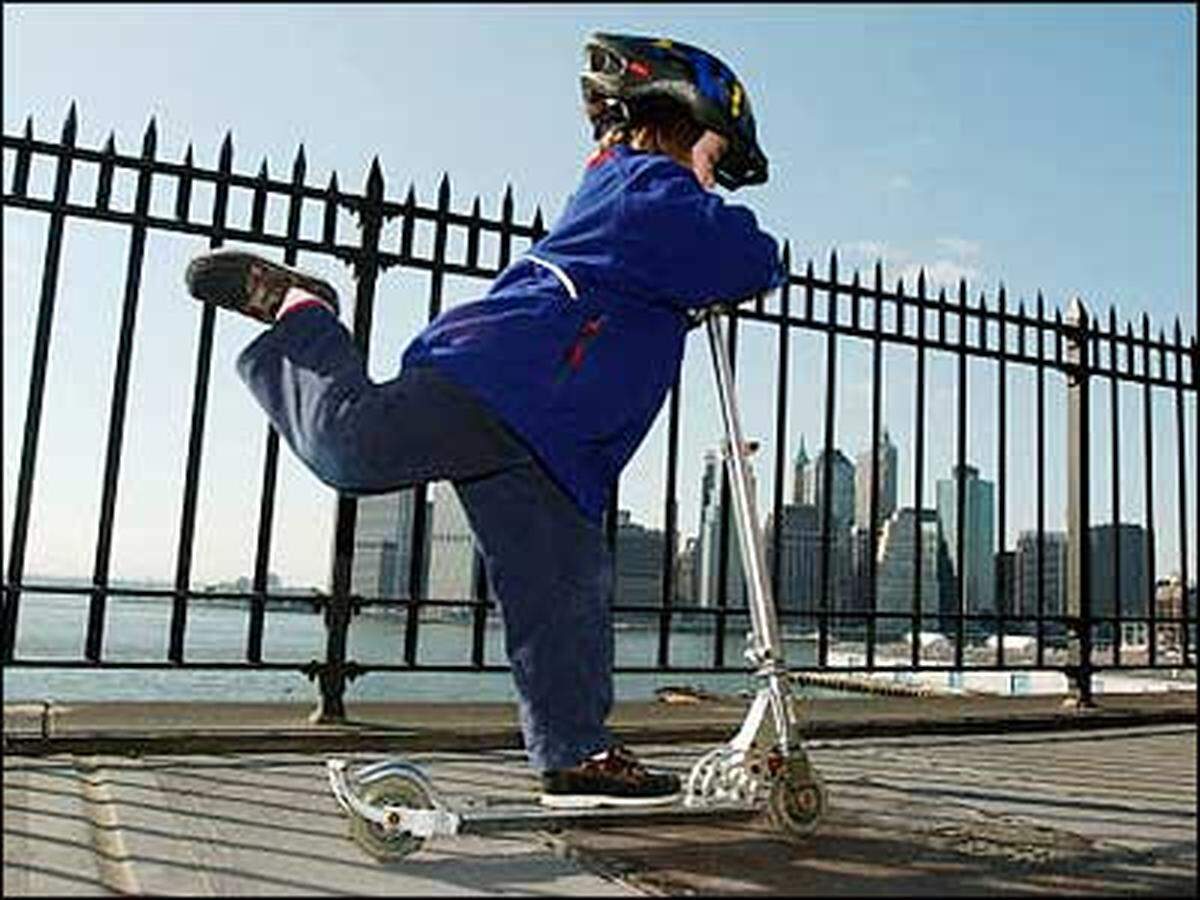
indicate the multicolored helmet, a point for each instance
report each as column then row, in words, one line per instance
column 620, row 70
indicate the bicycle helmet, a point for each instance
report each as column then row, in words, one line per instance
column 621, row 71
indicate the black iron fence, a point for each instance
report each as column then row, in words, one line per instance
column 1090, row 353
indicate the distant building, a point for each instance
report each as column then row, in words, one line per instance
column 803, row 485
column 639, row 563
column 709, row 558
column 452, row 546
column 888, row 464
column 901, row 545
column 687, row 586
column 1006, row 584
column 799, row 556
column 842, row 491
column 978, row 578
column 1122, row 546
column 1169, row 605
column 810, row 488
column 1053, row 586
column 383, row 535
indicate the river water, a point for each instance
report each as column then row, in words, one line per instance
column 53, row 627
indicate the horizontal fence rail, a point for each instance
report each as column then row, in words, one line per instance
column 1091, row 353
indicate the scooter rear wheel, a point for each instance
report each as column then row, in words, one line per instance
column 798, row 799
column 384, row 844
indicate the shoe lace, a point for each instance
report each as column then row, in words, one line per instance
column 619, row 759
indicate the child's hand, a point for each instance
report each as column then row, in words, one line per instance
column 707, row 150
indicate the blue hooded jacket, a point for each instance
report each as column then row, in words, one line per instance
column 577, row 343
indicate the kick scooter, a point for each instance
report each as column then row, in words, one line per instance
column 394, row 808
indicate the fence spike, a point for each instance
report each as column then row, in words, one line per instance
column 856, row 280
column 962, row 292
column 1021, row 309
column 225, row 159
column 300, row 166
column 183, row 192
column 444, row 191
column 410, row 198
column 150, row 139
column 105, row 179
column 475, row 208
column 29, row 128
column 942, row 295
column 537, row 220
column 921, row 284
column 375, row 180
column 1041, row 306
column 833, row 264
column 1178, row 333
column 879, row 273
column 329, row 218
column 70, row 126
column 263, row 173
column 810, row 269
column 785, row 258
column 506, row 205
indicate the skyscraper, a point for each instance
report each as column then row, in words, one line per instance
column 687, row 581
column 639, row 563
column 978, row 559
column 452, row 546
column 383, row 534
column 899, row 546
column 888, row 464
column 1124, row 544
column 799, row 556
column 803, row 486
column 709, row 557
column 1054, row 575
column 842, row 492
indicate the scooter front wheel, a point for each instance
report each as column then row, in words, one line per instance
column 798, row 799
column 385, row 844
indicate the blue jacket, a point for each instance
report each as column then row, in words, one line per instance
column 576, row 344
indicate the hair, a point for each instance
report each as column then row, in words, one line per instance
column 658, row 124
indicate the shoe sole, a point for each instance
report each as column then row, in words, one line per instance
column 220, row 278
column 595, row 801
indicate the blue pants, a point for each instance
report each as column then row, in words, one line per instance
column 548, row 565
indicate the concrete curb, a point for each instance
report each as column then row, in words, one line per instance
column 456, row 737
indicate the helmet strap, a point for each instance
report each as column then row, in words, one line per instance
column 615, row 114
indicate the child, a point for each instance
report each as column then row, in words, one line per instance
column 531, row 400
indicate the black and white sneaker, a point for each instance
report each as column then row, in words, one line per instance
column 613, row 777
column 249, row 284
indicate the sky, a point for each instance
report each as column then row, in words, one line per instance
column 1047, row 147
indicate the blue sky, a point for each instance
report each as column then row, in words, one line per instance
column 1052, row 147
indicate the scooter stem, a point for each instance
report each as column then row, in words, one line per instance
column 765, row 649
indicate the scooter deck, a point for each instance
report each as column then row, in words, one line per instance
column 526, row 816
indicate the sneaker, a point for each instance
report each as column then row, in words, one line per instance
column 249, row 284
column 613, row 777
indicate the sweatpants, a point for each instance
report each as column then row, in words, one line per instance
column 547, row 564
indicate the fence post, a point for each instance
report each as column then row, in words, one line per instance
column 1079, row 599
column 335, row 671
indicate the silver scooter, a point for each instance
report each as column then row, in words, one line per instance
column 393, row 807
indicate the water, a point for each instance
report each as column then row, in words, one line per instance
column 53, row 626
